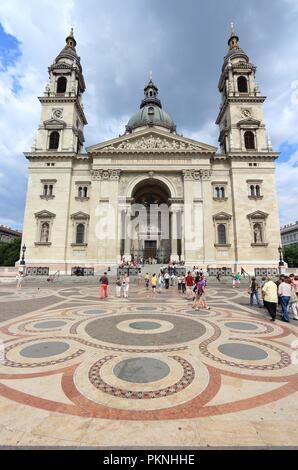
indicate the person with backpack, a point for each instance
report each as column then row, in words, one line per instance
column 202, row 299
column 254, row 292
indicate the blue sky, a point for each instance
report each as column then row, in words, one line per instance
column 183, row 42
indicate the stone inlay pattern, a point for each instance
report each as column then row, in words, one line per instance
column 99, row 383
column 144, row 325
column 203, row 380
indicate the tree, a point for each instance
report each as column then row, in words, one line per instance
column 10, row 252
column 291, row 255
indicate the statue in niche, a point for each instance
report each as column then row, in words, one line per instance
column 45, row 231
column 257, row 233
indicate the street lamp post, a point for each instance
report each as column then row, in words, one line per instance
column 281, row 262
column 23, row 262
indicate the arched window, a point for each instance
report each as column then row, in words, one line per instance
column 222, row 192
column 217, row 193
column 80, row 191
column 85, row 191
column 221, row 234
column 249, row 140
column 80, row 234
column 242, row 85
column 61, row 85
column 50, row 192
column 45, row 232
column 252, row 190
column 54, row 140
column 45, row 190
column 258, row 191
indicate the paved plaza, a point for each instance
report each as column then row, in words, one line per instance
column 148, row 371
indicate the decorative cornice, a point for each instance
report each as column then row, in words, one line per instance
column 47, row 198
column 238, row 99
column 152, row 144
column 222, row 216
column 65, row 99
column 257, row 215
column 243, row 156
column 80, row 216
column 105, row 175
column 44, row 215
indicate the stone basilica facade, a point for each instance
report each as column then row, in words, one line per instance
column 152, row 192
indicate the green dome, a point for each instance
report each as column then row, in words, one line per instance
column 151, row 115
column 151, row 112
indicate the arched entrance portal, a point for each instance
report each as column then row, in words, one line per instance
column 148, row 223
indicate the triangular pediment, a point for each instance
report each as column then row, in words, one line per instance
column 151, row 140
column 54, row 124
column 80, row 216
column 222, row 216
column 44, row 215
column 258, row 215
column 248, row 122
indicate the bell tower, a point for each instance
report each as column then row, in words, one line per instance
column 61, row 127
column 240, row 119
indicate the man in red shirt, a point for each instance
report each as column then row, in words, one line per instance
column 189, row 285
column 103, row 290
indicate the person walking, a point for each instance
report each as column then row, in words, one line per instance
column 284, row 292
column 262, row 283
column 154, row 283
column 295, row 284
column 179, row 281
column 103, row 290
column 270, row 297
column 147, row 280
column 125, row 285
column 202, row 300
column 19, row 279
column 118, row 287
column 189, row 285
column 183, row 285
column 293, row 303
column 254, row 292
column 238, row 279
column 167, row 280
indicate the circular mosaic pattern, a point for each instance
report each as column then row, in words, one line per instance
column 50, row 324
column 105, row 329
column 241, row 326
column 243, row 351
column 198, row 312
column 176, row 387
column 146, row 308
column 141, row 370
column 144, row 325
column 46, row 349
column 94, row 312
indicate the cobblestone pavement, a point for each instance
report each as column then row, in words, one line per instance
column 144, row 371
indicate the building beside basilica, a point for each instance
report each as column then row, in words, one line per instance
column 152, row 192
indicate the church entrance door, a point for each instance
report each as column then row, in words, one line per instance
column 150, row 249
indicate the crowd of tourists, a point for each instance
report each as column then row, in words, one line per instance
column 280, row 296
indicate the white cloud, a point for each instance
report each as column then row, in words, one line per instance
column 119, row 42
column 287, row 177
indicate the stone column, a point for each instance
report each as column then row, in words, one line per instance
column 174, row 233
column 127, row 240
